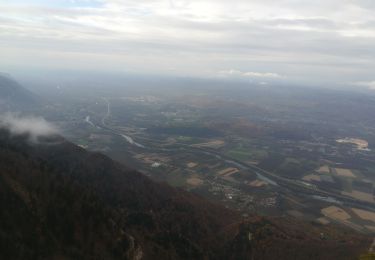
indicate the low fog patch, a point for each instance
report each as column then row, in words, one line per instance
column 34, row 127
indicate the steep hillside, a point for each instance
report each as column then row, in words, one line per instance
column 13, row 95
column 61, row 202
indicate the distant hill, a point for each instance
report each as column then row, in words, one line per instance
column 59, row 201
column 14, row 96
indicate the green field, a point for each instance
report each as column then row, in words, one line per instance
column 184, row 138
column 243, row 154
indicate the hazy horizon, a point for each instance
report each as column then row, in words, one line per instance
column 320, row 43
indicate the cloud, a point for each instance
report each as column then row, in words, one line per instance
column 35, row 127
column 310, row 40
column 367, row 84
column 249, row 74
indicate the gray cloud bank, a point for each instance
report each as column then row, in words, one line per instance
column 35, row 127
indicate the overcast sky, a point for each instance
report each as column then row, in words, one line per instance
column 319, row 42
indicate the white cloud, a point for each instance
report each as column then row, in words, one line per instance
column 250, row 74
column 367, row 84
column 35, row 127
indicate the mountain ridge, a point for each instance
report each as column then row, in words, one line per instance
column 14, row 96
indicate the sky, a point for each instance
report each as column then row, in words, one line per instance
column 319, row 42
